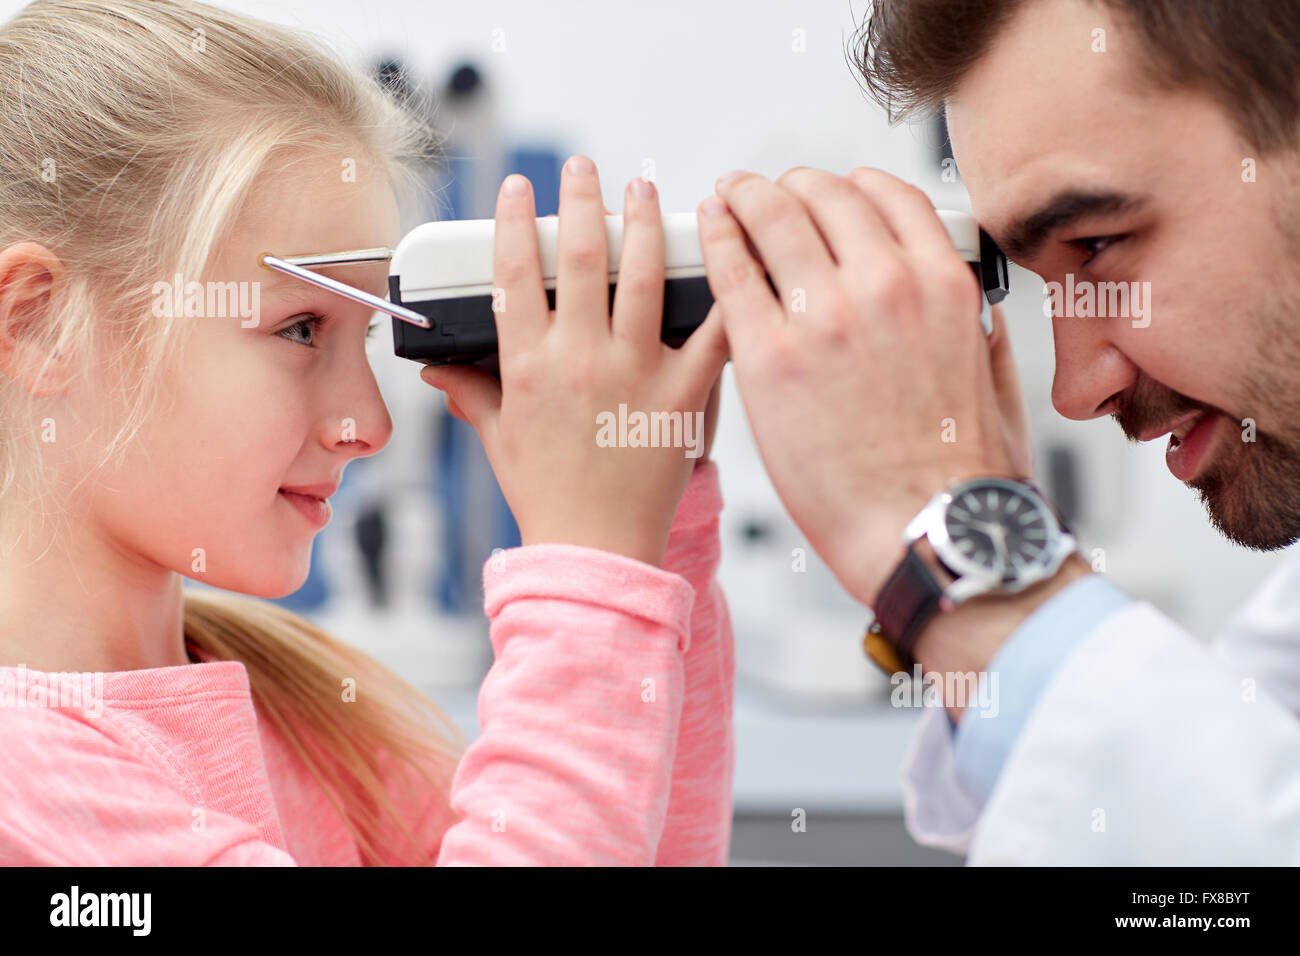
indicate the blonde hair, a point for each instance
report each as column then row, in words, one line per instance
column 131, row 135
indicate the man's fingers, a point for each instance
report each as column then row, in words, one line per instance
column 854, row 229
column 907, row 210
column 1010, row 396
column 912, row 218
column 1003, row 363
column 787, row 240
column 739, row 285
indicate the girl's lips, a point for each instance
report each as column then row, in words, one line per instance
column 1186, row 457
column 313, row 491
column 316, row 510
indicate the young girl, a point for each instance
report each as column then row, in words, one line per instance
column 150, row 430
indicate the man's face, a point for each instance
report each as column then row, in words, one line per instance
column 1042, row 115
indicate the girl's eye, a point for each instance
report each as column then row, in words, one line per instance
column 309, row 324
column 1093, row 246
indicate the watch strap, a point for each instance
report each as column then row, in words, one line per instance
column 905, row 604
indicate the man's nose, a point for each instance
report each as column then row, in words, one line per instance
column 1090, row 370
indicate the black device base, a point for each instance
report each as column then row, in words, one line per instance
column 464, row 329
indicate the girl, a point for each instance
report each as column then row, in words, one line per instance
column 149, row 430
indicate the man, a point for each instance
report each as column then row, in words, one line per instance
column 1124, row 141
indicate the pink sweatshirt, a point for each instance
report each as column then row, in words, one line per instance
column 606, row 737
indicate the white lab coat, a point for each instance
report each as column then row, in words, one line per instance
column 1146, row 748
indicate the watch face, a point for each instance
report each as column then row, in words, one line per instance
column 1000, row 528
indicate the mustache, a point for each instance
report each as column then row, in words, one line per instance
column 1148, row 404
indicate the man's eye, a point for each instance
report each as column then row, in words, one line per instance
column 310, row 324
column 1093, row 246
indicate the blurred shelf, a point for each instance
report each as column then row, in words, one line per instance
column 842, row 760
column 790, row 755
column 830, row 754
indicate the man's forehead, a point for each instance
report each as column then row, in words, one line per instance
column 1044, row 127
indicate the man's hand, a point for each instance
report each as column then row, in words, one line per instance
column 867, row 380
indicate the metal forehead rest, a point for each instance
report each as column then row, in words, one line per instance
column 298, row 267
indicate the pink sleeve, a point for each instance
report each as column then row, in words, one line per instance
column 698, row 827
column 105, row 807
column 579, row 714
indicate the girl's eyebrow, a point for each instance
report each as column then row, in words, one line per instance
column 292, row 267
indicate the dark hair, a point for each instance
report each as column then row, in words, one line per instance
column 1244, row 53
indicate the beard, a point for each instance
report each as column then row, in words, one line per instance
column 1251, row 492
column 1250, row 489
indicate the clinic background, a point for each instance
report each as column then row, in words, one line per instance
column 683, row 92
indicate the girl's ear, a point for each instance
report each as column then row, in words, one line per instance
column 28, row 274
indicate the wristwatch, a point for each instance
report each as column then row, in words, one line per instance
column 990, row 536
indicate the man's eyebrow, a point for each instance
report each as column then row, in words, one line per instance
column 1027, row 235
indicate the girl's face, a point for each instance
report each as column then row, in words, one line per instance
column 281, row 395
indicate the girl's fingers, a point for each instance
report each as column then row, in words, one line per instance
column 706, row 351
column 639, row 295
column 552, row 215
column 582, row 270
column 519, row 300
column 475, row 393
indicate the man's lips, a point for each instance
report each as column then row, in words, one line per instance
column 1179, row 427
column 1191, row 442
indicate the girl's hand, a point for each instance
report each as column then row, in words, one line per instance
column 563, row 372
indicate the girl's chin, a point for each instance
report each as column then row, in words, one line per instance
column 273, row 568
column 276, row 588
